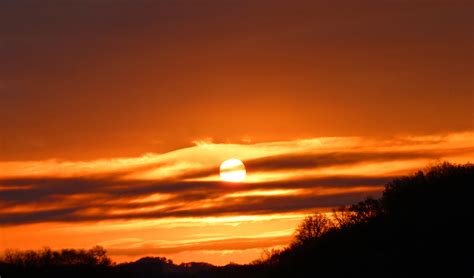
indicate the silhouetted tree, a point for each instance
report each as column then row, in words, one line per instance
column 420, row 227
column 342, row 217
column 365, row 210
column 312, row 227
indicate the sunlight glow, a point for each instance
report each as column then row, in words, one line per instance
column 232, row 170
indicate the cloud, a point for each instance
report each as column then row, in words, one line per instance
column 185, row 199
column 317, row 160
column 221, row 244
column 321, row 173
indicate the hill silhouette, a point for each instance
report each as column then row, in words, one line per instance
column 420, row 227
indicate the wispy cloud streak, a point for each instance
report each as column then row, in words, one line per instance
column 196, row 191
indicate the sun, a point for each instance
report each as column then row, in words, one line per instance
column 232, row 170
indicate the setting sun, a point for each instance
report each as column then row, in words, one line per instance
column 232, row 170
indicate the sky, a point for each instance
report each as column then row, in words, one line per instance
column 115, row 116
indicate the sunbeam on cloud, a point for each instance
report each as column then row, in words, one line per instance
column 175, row 203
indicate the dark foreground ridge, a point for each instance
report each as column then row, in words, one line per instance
column 420, row 227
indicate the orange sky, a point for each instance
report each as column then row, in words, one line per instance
column 93, row 79
column 115, row 116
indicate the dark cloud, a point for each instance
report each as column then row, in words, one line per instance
column 113, row 196
column 318, row 160
column 295, row 161
column 46, row 188
column 36, row 216
column 244, row 205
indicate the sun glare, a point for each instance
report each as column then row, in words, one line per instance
column 232, row 170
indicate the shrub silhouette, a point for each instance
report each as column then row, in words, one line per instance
column 46, row 262
column 66, row 257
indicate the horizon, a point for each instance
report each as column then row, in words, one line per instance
column 116, row 117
